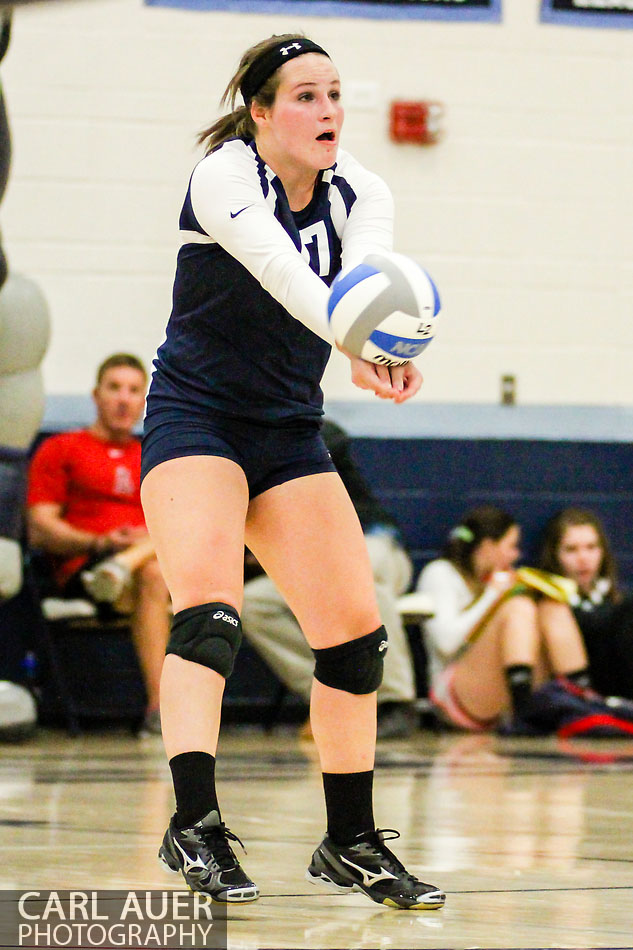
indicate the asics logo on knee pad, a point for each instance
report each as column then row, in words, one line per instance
column 382, row 646
column 220, row 615
column 207, row 635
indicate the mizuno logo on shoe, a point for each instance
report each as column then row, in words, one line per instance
column 370, row 877
column 188, row 864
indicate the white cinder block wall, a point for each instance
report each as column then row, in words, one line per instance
column 523, row 213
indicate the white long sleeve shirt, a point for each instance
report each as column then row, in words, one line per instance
column 248, row 334
column 456, row 613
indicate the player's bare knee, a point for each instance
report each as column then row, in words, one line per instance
column 527, row 603
column 522, row 606
column 209, row 634
column 355, row 666
column 552, row 610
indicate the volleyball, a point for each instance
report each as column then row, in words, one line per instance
column 384, row 309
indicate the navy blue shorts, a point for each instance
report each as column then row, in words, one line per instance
column 268, row 455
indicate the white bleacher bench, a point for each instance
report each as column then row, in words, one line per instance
column 416, row 604
column 60, row 608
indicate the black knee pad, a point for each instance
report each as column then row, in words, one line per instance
column 355, row 666
column 209, row 634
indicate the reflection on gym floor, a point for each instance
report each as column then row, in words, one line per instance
column 531, row 839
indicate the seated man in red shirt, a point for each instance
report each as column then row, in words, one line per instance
column 84, row 505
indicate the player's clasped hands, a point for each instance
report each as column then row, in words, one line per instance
column 387, row 382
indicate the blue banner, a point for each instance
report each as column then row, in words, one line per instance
column 473, row 10
column 614, row 13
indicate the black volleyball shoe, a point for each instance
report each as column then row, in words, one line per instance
column 203, row 853
column 368, row 866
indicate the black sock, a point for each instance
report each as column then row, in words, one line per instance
column 580, row 678
column 193, row 775
column 348, row 801
column 519, row 680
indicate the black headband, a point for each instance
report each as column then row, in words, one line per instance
column 265, row 65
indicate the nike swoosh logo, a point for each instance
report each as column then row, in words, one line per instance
column 234, row 214
column 370, row 877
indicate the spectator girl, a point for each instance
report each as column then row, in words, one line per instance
column 576, row 546
column 490, row 641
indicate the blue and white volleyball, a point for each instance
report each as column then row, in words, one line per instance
column 384, row 309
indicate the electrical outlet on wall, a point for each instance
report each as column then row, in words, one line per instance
column 508, row 389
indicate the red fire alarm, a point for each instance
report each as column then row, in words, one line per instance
column 416, row 122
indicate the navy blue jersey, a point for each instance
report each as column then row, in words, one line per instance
column 248, row 333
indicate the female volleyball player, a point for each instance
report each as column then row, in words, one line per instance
column 487, row 649
column 576, row 545
column 232, row 453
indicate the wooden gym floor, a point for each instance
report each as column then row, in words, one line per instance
column 531, row 839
